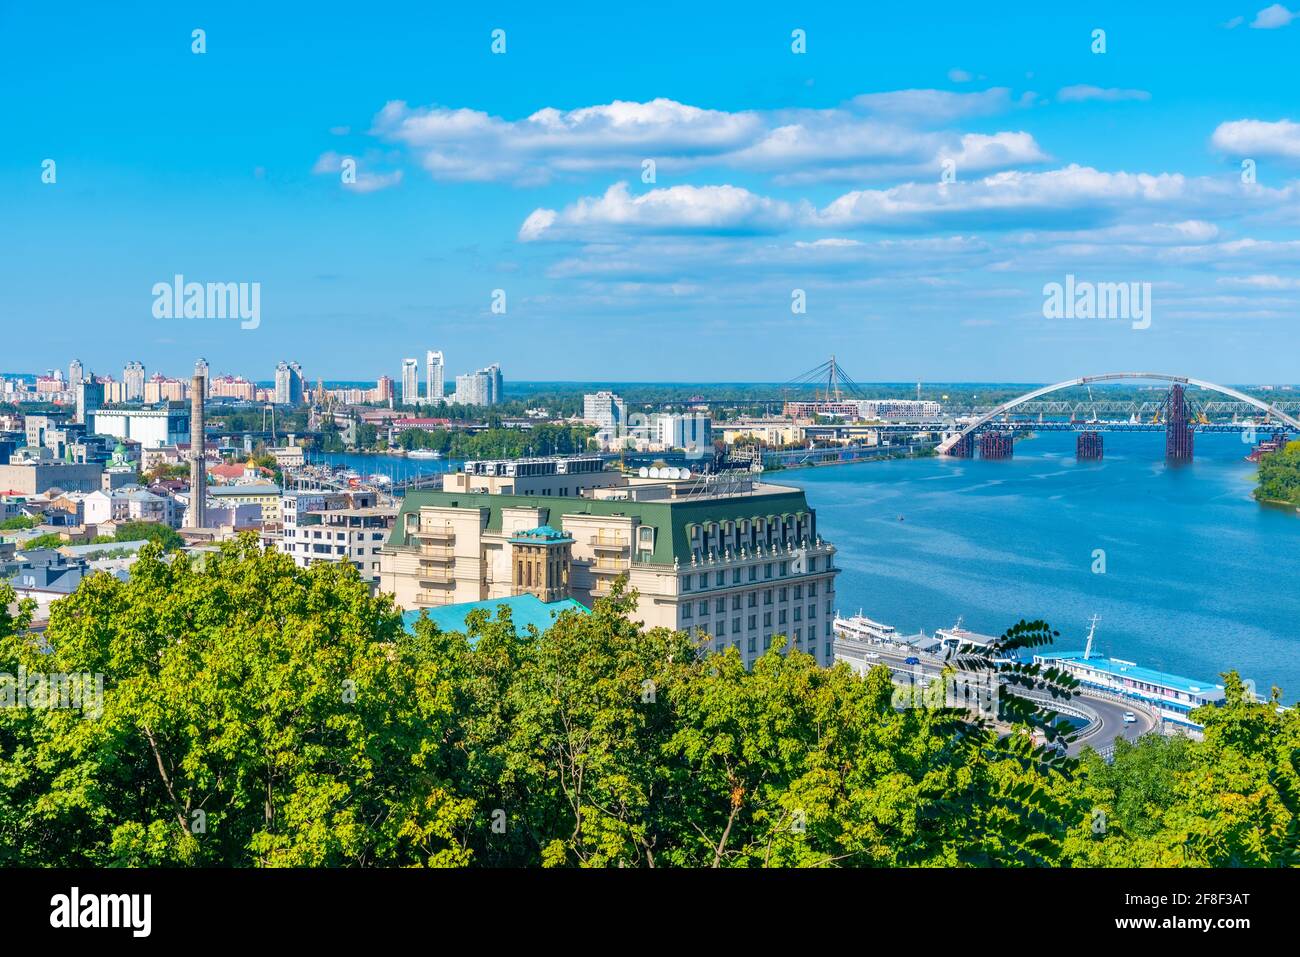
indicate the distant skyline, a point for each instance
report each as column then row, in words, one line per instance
column 1172, row 158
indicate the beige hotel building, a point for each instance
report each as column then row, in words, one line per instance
column 735, row 558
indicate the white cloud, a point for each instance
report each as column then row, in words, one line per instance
column 1273, row 18
column 876, row 136
column 1072, row 197
column 1260, row 281
column 1083, row 92
column 1255, row 138
column 959, row 76
column 676, row 209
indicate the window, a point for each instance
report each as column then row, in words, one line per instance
column 798, row 613
column 767, row 597
column 784, row 594
column 767, row 619
column 812, row 612
column 753, row 599
column 686, row 582
column 704, row 609
column 687, row 611
column 753, row 573
column 720, row 578
column 812, row 563
column 735, row 603
column 753, row 622
column 720, row 605
column 767, row 642
column 753, row 643
column 784, row 567
column 798, row 635
column 767, row 570
column 722, row 627
column 798, row 592
column 781, row 617
column 812, row 589
column 735, row 576
column 735, row 626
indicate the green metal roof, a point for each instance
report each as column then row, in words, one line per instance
column 525, row 610
column 672, row 518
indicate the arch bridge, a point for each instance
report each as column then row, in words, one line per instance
column 960, row 441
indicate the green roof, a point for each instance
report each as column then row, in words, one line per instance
column 673, row 518
column 525, row 610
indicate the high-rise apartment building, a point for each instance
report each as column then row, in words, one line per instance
column 410, row 381
column 201, row 369
column 472, row 389
column 90, row 396
column 75, row 374
column 133, row 382
column 605, row 409
column 433, row 376
column 290, row 384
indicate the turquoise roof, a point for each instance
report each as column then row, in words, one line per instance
column 525, row 610
column 542, row 533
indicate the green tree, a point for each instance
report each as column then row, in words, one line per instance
column 155, row 532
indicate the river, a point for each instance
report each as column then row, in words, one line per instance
column 1197, row 578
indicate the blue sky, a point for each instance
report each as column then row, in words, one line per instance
column 774, row 171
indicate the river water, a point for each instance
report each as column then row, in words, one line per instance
column 1198, row 578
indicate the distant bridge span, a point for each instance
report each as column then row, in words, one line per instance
column 1006, row 407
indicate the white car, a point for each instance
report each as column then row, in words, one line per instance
column 1130, row 717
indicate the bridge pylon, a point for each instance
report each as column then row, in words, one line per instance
column 1179, row 432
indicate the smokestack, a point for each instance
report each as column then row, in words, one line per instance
column 198, row 454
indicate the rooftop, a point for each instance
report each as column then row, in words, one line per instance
column 1117, row 667
column 672, row 517
column 525, row 611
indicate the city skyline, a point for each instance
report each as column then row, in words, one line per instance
column 777, row 175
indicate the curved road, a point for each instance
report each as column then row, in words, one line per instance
column 1110, row 711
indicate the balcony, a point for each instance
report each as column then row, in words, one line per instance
column 608, row 542
column 437, row 552
column 436, row 576
column 431, row 532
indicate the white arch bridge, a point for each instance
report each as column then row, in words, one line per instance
column 1271, row 410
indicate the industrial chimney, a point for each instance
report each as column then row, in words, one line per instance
column 198, row 454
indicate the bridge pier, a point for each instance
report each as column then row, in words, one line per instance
column 963, row 448
column 1088, row 447
column 996, row 445
column 1178, row 428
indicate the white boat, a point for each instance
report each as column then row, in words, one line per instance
column 860, row 628
column 424, row 454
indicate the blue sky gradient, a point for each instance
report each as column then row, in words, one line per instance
column 774, row 172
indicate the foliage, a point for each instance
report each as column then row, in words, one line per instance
column 291, row 713
column 160, row 534
column 19, row 523
column 1279, row 475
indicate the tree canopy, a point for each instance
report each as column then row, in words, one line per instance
column 259, row 714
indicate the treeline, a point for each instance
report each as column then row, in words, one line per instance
column 1279, row 475
column 541, row 439
column 257, row 714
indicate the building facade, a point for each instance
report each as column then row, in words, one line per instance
column 739, row 567
column 322, row 525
